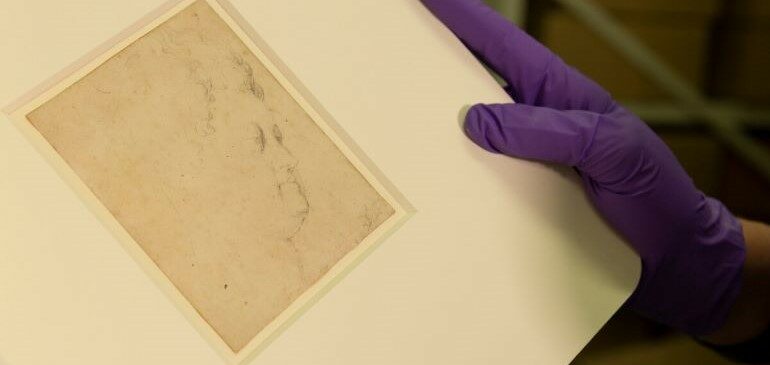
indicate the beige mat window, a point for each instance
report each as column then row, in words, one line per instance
column 226, row 178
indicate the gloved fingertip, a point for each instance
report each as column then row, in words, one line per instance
column 477, row 122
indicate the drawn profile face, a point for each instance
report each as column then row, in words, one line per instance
column 263, row 148
column 292, row 199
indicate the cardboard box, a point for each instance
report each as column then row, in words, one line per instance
column 743, row 64
column 748, row 8
column 701, row 155
column 685, row 7
column 744, row 191
column 680, row 39
column 742, row 53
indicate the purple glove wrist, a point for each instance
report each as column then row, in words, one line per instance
column 692, row 248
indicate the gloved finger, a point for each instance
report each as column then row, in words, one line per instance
column 534, row 74
column 532, row 132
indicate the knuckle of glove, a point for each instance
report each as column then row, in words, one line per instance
column 621, row 158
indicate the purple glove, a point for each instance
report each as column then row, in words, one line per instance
column 692, row 248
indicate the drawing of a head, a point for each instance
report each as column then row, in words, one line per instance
column 269, row 139
column 235, row 103
column 276, row 178
column 235, row 110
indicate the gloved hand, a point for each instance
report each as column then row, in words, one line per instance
column 692, row 249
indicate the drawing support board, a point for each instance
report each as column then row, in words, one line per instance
column 503, row 261
column 205, row 162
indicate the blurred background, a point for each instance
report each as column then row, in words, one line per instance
column 721, row 50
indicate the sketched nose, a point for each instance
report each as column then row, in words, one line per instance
column 285, row 163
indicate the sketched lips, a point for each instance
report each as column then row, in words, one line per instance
column 293, row 195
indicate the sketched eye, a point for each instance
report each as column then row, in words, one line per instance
column 277, row 133
column 260, row 139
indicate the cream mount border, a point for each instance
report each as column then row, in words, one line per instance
column 19, row 110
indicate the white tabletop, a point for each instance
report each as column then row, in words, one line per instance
column 504, row 261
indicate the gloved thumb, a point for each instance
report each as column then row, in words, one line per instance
column 531, row 132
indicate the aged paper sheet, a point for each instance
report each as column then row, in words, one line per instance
column 214, row 169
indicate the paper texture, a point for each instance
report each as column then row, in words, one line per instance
column 211, row 166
